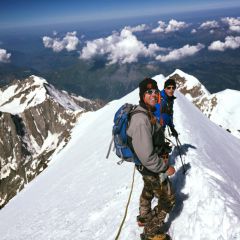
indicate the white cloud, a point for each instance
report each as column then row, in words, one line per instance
column 56, row 44
column 193, row 31
column 235, row 28
column 175, row 26
column 233, row 23
column 4, row 56
column 121, row 47
column 209, row 25
column 138, row 28
column 161, row 28
column 177, row 54
column 69, row 42
column 230, row 42
column 172, row 26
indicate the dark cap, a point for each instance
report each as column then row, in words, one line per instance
column 146, row 84
column 170, row 82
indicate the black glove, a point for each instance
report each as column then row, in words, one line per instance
column 174, row 132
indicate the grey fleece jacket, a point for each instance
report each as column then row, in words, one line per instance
column 141, row 131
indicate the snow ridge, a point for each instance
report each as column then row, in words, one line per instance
column 31, row 92
column 223, row 107
column 17, row 97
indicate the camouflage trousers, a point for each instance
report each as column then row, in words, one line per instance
column 166, row 200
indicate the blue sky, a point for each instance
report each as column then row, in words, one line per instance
column 30, row 12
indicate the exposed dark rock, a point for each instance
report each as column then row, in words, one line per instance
column 28, row 139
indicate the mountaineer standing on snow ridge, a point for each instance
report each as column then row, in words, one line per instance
column 147, row 140
column 164, row 109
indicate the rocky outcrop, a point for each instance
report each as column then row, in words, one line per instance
column 35, row 120
column 222, row 108
column 192, row 89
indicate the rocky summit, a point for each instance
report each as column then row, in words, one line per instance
column 36, row 120
column 222, row 107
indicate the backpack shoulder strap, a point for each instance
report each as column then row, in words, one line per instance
column 137, row 111
column 160, row 104
column 159, row 97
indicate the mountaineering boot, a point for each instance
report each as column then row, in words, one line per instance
column 142, row 221
column 153, row 227
column 162, row 236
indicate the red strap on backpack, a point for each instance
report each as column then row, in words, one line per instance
column 159, row 101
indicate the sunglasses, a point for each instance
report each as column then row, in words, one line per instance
column 170, row 87
column 165, row 156
column 151, row 91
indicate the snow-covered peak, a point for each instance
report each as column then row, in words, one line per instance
column 30, row 92
column 226, row 110
column 37, row 81
column 190, row 86
column 23, row 94
column 160, row 80
column 36, row 120
column 191, row 80
column 223, row 108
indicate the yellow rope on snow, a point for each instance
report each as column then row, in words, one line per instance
column 126, row 209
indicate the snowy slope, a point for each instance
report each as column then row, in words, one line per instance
column 223, row 107
column 82, row 195
column 227, row 112
column 190, row 83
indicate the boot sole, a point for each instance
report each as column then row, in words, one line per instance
column 157, row 237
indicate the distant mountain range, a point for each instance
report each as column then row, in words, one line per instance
column 217, row 71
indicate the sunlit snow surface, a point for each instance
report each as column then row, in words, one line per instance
column 82, row 195
column 18, row 97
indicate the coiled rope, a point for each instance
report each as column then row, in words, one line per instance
column 126, row 209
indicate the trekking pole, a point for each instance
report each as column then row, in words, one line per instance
column 169, row 134
column 178, row 146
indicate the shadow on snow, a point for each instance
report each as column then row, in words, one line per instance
column 179, row 181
